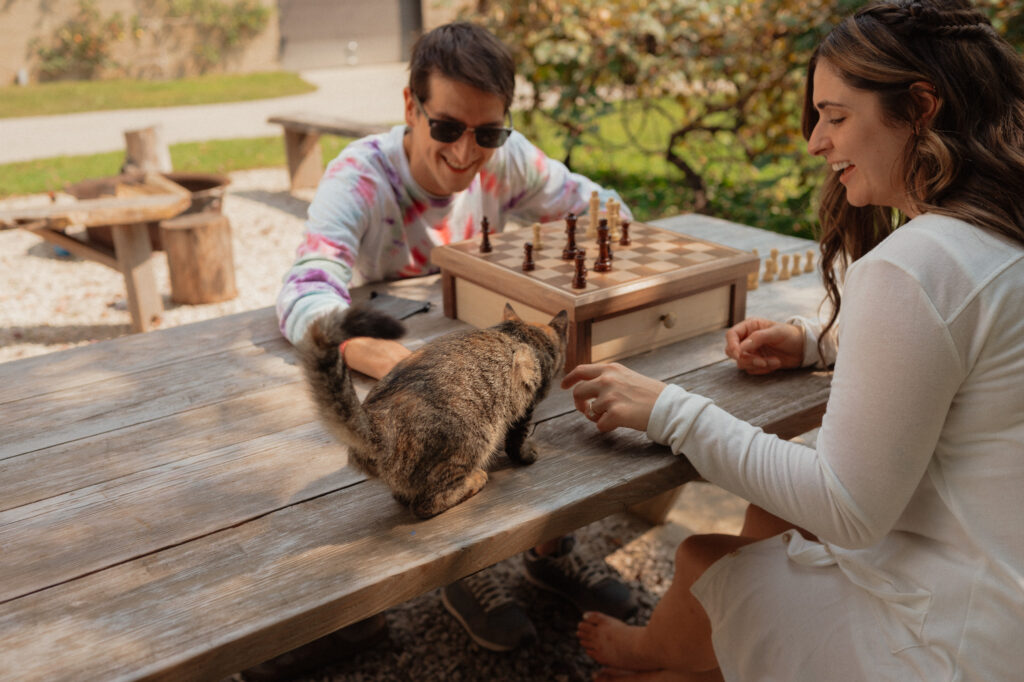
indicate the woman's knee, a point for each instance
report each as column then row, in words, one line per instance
column 696, row 553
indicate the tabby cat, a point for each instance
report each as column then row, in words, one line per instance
column 429, row 428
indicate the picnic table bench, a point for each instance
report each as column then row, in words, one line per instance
column 128, row 218
column 302, row 142
column 171, row 508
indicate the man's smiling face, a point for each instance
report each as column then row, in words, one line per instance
column 445, row 168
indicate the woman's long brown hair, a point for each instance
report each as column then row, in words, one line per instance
column 967, row 162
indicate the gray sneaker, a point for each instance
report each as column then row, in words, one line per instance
column 589, row 585
column 488, row 612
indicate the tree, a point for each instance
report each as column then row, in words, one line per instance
column 682, row 77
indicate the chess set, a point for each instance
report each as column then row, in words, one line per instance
column 636, row 288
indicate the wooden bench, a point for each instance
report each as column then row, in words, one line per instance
column 301, row 142
column 171, row 508
column 128, row 218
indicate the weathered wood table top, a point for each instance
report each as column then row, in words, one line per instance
column 170, row 507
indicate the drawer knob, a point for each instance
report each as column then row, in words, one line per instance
column 669, row 320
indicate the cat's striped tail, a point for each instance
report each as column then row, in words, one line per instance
column 329, row 380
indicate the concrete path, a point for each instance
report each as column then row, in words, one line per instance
column 369, row 94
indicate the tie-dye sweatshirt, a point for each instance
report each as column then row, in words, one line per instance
column 370, row 217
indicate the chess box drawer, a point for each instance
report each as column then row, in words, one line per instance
column 613, row 337
column 648, row 328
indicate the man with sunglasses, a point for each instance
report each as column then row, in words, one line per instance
column 387, row 200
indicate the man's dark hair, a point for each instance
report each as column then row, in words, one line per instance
column 466, row 53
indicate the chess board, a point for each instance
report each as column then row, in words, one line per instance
column 663, row 287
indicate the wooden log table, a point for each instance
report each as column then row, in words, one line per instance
column 170, row 508
column 128, row 218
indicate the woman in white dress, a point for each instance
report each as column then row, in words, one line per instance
column 895, row 549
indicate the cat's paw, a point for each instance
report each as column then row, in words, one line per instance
column 527, row 453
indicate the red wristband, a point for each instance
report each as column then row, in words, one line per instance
column 341, row 349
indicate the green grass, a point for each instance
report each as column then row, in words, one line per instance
column 631, row 158
column 63, row 97
column 215, row 156
column 769, row 196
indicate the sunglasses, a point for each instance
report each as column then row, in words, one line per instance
column 488, row 137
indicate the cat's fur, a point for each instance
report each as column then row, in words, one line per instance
column 429, row 428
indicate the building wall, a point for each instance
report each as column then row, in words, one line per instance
column 323, row 33
column 161, row 50
column 301, row 34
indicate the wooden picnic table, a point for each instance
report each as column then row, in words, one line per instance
column 170, row 507
column 128, row 217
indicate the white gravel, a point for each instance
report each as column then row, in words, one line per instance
column 50, row 302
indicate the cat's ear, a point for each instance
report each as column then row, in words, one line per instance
column 508, row 313
column 560, row 323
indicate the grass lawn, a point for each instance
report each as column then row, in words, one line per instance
column 63, row 97
column 770, row 196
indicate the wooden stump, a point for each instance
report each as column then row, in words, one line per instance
column 199, row 257
column 146, row 151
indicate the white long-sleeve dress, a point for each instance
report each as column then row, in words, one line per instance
column 915, row 488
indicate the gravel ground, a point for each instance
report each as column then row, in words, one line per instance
column 50, row 302
column 426, row 644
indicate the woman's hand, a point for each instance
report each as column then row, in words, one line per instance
column 612, row 396
column 761, row 346
column 374, row 357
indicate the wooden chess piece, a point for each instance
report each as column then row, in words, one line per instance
column 592, row 216
column 809, row 263
column 579, row 278
column 753, row 276
column 537, row 243
column 604, row 261
column 624, row 239
column 611, row 207
column 795, row 270
column 485, row 228
column 784, row 271
column 602, row 224
column 769, row 271
column 528, row 257
column 569, row 252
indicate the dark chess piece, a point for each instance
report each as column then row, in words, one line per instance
column 624, row 239
column 569, row 252
column 603, row 224
column 485, row 227
column 579, row 278
column 604, row 259
column 528, row 257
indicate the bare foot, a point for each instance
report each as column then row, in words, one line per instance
column 611, row 642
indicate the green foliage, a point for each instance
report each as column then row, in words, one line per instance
column 214, row 156
column 63, row 97
column 222, row 26
column 713, row 87
column 81, row 47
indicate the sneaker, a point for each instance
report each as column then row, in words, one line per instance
column 488, row 612
column 589, row 585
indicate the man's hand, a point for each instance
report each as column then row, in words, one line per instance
column 374, row 357
column 612, row 396
column 761, row 346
